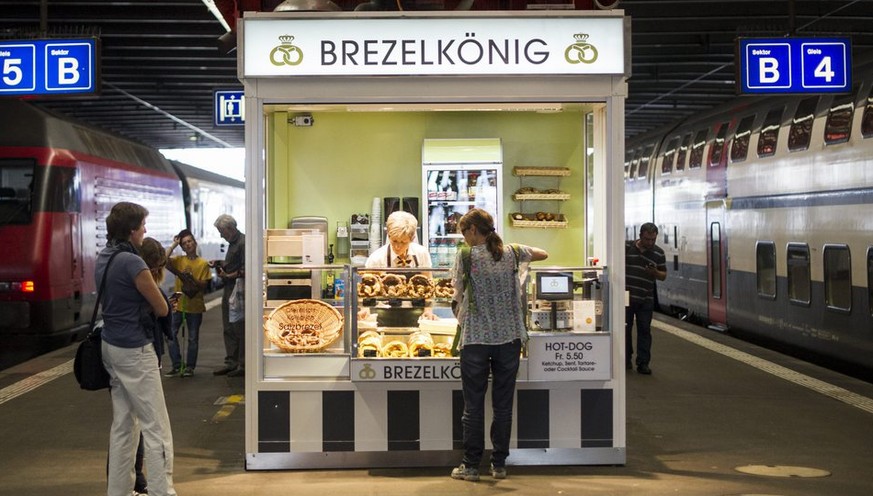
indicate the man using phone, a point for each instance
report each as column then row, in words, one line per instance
column 644, row 264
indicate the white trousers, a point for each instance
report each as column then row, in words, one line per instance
column 138, row 404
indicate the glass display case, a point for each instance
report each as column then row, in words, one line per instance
column 401, row 313
column 305, row 320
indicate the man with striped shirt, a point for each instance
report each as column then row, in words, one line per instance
column 644, row 263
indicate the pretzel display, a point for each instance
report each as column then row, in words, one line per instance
column 420, row 286
column 444, row 288
column 303, row 326
column 394, row 285
column 395, row 349
column 370, row 285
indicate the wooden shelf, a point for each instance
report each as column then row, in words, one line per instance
column 541, row 196
column 541, row 171
column 529, row 220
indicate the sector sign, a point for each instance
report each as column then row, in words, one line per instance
column 49, row 67
column 794, row 65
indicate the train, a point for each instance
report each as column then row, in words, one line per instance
column 58, row 180
column 764, row 207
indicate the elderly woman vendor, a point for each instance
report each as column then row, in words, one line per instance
column 400, row 251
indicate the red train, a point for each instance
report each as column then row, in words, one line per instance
column 58, row 180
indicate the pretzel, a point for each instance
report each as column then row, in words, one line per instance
column 395, row 349
column 420, row 340
column 369, row 340
column 442, row 350
column 444, row 288
column 420, row 286
column 394, row 285
column 370, row 285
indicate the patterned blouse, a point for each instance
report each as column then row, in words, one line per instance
column 497, row 316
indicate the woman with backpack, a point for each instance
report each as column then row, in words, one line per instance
column 490, row 305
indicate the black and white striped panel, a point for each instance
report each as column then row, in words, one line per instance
column 425, row 420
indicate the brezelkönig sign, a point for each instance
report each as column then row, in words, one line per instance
column 433, row 46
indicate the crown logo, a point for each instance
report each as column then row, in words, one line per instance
column 581, row 36
column 286, row 39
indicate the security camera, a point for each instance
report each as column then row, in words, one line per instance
column 303, row 120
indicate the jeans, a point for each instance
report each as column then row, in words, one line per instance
column 643, row 313
column 476, row 362
column 192, row 325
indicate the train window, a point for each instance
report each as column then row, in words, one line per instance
column 669, row 156
column 740, row 144
column 867, row 119
column 62, row 190
column 838, row 277
column 797, row 258
column 870, row 280
column 696, row 158
column 801, row 126
column 16, row 190
column 838, row 126
column 765, row 256
column 643, row 170
column 770, row 132
column 718, row 145
column 683, row 152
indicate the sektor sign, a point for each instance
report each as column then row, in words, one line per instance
column 795, row 65
column 49, row 67
column 356, row 46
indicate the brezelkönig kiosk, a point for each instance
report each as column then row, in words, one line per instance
column 350, row 116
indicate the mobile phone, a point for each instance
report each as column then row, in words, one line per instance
column 176, row 295
column 651, row 265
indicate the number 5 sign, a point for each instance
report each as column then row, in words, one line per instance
column 49, row 67
column 794, row 65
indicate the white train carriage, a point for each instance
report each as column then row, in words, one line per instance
column 764, row 207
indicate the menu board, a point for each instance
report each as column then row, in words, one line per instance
column 569, row 357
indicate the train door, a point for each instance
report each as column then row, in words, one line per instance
column 77, row 271
column 716, row 256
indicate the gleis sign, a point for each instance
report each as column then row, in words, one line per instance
column 49, row 67
column 794, row 65
column 433, row 46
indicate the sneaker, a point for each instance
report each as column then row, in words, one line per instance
column 238, row 372
column 462, row 472
column 224, row 370
column 644, row 369
column 498, row 472
column 172, row 373
column 140, row 492
column 187, row 373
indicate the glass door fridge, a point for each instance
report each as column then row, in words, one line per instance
column 458, row 175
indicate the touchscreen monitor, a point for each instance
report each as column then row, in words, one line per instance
column 554, row 286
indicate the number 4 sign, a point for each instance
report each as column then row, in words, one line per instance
column 794, row 65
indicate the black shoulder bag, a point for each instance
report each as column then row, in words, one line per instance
column 88, row 365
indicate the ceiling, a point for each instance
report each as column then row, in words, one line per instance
column 161, row 61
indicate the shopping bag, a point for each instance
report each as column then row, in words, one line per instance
column 236, row 302
column 88, row 364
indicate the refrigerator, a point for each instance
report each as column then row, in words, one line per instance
column 458, row 175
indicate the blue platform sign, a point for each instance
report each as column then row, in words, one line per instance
column 229, row 108
column 49, row 67
column 794, row 65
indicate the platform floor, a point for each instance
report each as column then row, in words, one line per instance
column 713, row 405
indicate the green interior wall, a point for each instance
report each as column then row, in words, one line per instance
column 335, row 167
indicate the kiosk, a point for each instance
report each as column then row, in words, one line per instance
column 338, row 106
